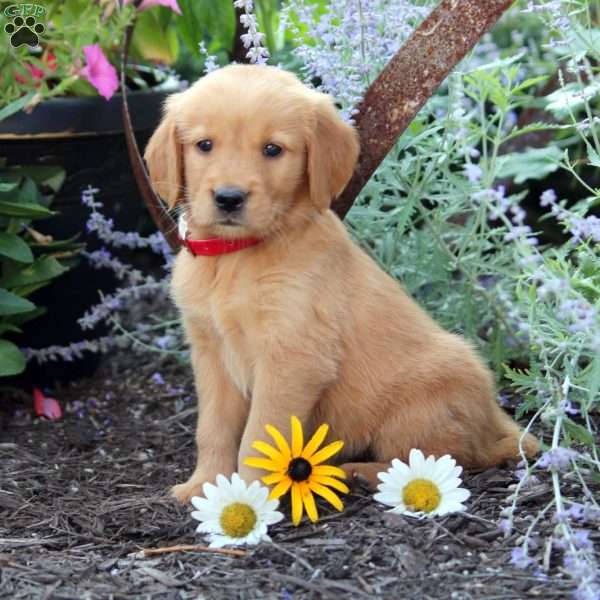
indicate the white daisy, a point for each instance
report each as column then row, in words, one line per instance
column 423, row 487
column 233, row 513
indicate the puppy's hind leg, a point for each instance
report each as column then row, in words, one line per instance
column 509, row 448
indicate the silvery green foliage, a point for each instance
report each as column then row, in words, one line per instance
column 347, row 45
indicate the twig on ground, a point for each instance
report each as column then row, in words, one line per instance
column 145, row 552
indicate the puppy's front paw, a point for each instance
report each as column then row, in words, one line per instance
column 184, row 491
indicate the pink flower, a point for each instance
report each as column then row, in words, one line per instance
column 99, row 72
column 172, row 4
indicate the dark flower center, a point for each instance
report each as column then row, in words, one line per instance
column 299, row 469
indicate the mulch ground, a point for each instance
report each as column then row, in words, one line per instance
column 79, row 498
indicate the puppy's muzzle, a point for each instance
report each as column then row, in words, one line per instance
column 229, row 199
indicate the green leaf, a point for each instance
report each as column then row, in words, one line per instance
column 528, row 83
column 571, row 97
column 16, row 105
column 59, row 245
column 7, row 186
column 594, row 379
column 24, row 209
column 533, row 163
column 11, row 304
column 51, row 176
column 578, row 432
column 41, row 270
column 152, row 41
column 12, row 361
column 533, row 127
column 27, row 290
column 28, row 192
column 14, row 247
column 24, row 317
column 593, row 156
column 500, row 63
column 9, row 327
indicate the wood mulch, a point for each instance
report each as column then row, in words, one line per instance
column 81, row 497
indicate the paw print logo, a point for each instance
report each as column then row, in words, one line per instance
column 24, row 31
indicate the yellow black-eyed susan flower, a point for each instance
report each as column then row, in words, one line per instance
column 300, row 468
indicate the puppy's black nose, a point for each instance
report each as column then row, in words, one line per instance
column 229, row 199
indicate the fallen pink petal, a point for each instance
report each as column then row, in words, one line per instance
column 99, row 72
column 46, row 407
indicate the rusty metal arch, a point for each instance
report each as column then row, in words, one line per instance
column 389, row 105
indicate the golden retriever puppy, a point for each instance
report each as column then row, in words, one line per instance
column 303, row 322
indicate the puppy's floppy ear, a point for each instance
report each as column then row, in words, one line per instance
column 332, row 153
column 164, row 157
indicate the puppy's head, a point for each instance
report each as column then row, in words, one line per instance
column 248, row 146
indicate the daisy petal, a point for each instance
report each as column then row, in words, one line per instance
column 449, row 485
column 271, row 506
column 387, row 499
column 444, row 466
column 340, row 486
column 386, row 477
column 280, row 489
column 398, row 464
column 326, row 493
column 315, row 441
column 399, row 469
column 262, row 463
column 327, row 452
column 206, row 515
column 400, row 509
column 238, row 485
column 279, row 441
column 223, row 482
column 297, row 437
column 309, row 502
column 459, row 494
column 448, row 508
column 218, row 541
column 329, row 470
column 201, row 503
column 296, row 505
column 209, row 527
column 416, row 461
column 211, row 492
column 456, row 471
column 273, row 517
column 392, row 490
column 429, row 467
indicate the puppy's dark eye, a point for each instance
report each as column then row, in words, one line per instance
column 205, row 145
column 272, row 150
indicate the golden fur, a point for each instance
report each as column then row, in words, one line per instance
column 304, row 323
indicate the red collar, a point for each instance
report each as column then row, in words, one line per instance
column 216, row 246
column 212, row 246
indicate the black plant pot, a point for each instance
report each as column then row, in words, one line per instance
column 85, row 137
